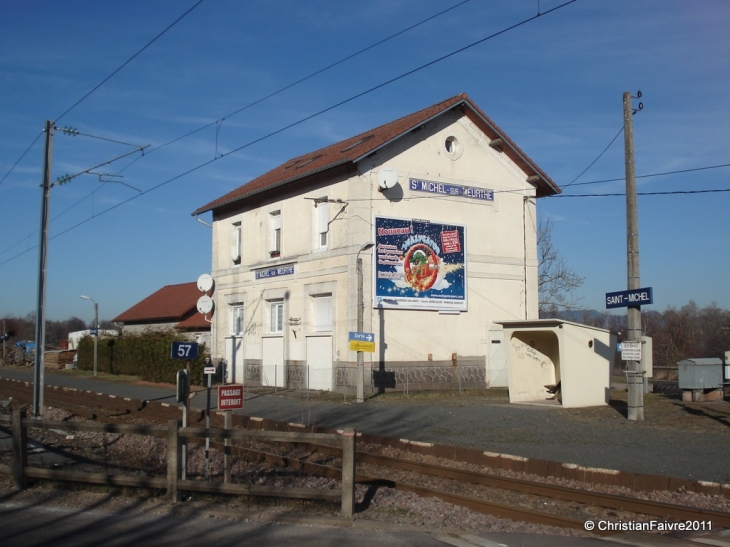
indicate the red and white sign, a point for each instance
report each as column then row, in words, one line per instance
column 230, row 397
column 450, row 242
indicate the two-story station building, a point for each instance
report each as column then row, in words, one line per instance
column 448, row 201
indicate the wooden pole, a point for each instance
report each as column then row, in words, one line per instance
column 349, row 436
column 40, row 318
column 20, row 449
column 636, row 384
column 227, row 449
column 174, row 457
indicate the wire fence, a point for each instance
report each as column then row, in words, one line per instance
column 400, row 378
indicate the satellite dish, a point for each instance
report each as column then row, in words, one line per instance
column 205, row 283
column 205, row 304
column 387, row 177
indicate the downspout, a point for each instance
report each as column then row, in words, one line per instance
column 524, row 247
column 202, row 221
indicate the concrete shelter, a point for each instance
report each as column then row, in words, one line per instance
column 558, row 362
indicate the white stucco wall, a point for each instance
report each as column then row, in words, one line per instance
column 502, row 281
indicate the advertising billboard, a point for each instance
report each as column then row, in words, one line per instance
column 419, row 265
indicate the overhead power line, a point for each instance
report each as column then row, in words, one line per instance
column 595, row 160
column 306, row 118
column 125, row 63
column 666, row 193
column 176, row 21
column 22, row 156
column 654, row 174
column 289, row 86
column 301, row 80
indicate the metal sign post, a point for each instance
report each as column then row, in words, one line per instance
column 209, row 372
column 187, row 351
column 182, row 396
column 226, row 450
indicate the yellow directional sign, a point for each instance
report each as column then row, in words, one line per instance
column 356, row 345
column 362, row 341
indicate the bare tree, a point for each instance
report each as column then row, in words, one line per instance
column 556, row 282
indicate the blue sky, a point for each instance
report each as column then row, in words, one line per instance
column 554, row 85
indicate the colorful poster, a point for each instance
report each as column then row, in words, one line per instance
column 419, row 265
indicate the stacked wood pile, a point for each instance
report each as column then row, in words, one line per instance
column 58, row 359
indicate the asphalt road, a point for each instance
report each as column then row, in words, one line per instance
column 45, row 526
column 28, row 526
column 528, row 431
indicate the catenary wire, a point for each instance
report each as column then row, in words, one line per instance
column 306, row 118
column 595, row 160
column 38, row 136
column 363, row 50
column 97, row 137
column 305, row 78
column 666, row 193
column 102, row 83
column 655, row 174
column 125, row 63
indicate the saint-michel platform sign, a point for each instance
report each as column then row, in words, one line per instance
column 628, row 299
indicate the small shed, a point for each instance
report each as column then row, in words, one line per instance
column 700, row 373
column 552, row 361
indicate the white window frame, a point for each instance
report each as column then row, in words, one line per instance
column 237, row 319
column 276, row 316
column 236, row 243
column 275, row 234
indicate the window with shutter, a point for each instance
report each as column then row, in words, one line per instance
column 322, row 215
column 275, row 231
column 236, row 243
column 322, row 313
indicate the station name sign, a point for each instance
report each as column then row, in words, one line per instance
column 274, row 272
column 629, row 299
column 458, row 190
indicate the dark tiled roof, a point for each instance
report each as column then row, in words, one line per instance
column 359, row 146
column 172, row 302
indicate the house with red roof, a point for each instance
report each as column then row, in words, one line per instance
column 439, row 208
column 171, row 307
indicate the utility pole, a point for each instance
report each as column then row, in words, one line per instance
column 40, row 326
column 635, row 373
column 360, row 306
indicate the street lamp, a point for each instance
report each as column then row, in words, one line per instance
column 360, row 307
column 96, row 329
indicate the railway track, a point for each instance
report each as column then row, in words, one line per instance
column 381, row 469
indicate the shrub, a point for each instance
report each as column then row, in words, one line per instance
column 146, row 355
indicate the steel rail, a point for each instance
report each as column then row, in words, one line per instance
column 610, row 501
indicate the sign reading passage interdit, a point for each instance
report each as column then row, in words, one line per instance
column 230, row 397
column 362, row 341
column 419, row 265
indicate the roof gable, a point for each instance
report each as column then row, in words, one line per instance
column 355, row 148
column 173, row 302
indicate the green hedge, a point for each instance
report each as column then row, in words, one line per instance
column 146, row 355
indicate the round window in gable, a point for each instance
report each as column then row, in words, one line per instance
column 453, row 148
